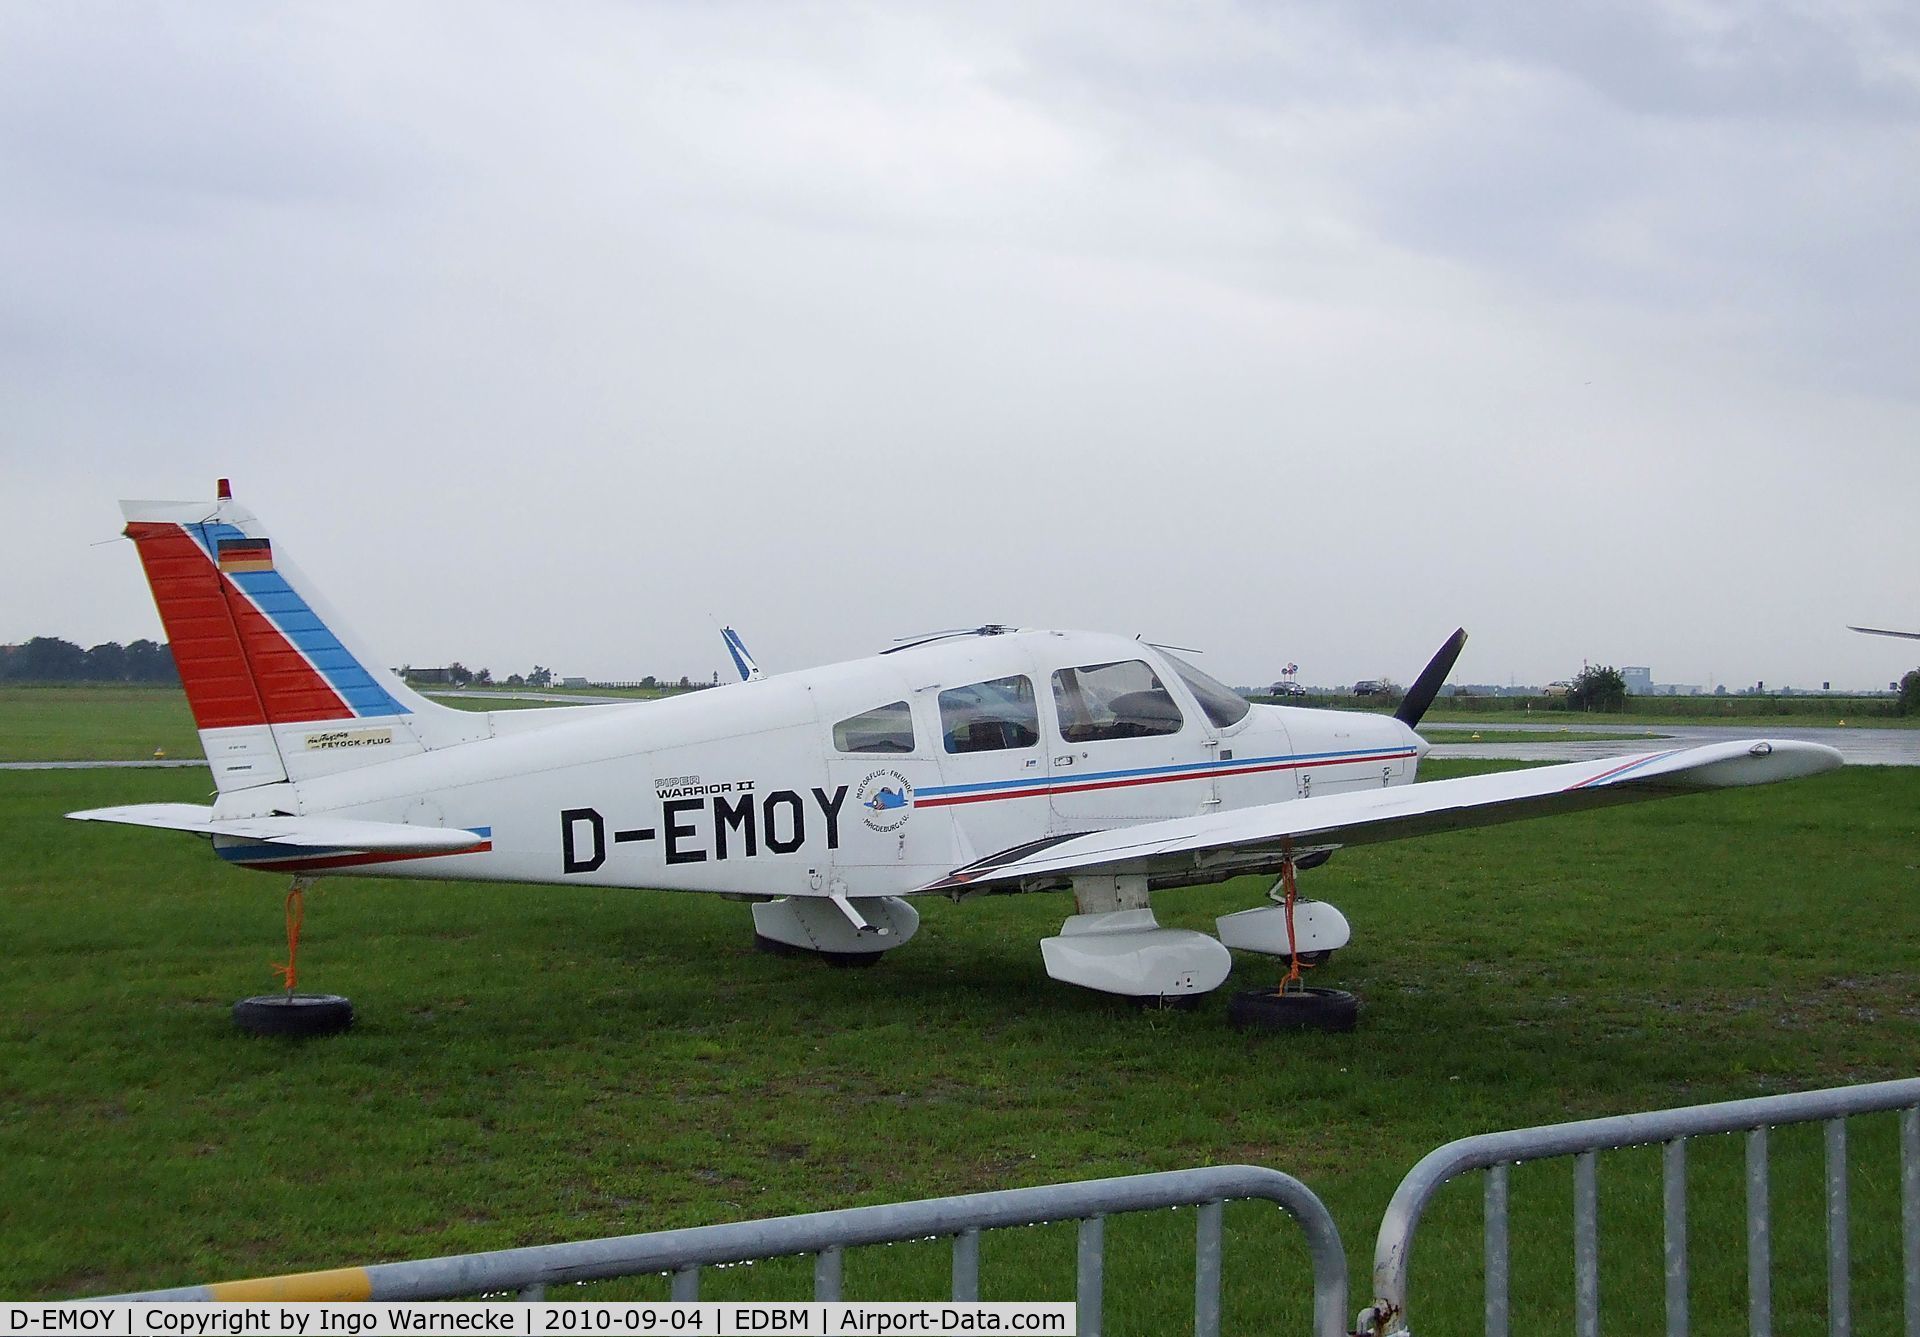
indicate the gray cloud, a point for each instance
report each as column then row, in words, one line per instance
column 1297, row 333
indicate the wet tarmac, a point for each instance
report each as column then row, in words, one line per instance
column 555, row 698
column 1859, row 747
column 101, row 765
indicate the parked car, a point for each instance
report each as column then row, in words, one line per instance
column 1371, row 687
column 1286, row 689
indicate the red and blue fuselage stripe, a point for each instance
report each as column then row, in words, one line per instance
column 940, row 796
column 318, row 858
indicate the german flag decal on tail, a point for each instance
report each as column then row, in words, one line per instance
column 246, row 555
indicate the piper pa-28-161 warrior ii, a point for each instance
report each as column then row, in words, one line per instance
column 988, row 761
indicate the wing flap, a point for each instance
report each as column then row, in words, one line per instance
column 1263, row 837
column 317, row 833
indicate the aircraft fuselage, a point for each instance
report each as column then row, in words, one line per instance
column 868, row 778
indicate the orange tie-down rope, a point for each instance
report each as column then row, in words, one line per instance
column 1293, row 950
column 296, row 911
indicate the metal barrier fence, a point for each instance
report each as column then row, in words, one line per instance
column 1495, row 1152
column 825, row 1235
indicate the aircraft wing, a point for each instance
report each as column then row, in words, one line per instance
column 293, row 833
column 1262, row 838
column 1881, row 631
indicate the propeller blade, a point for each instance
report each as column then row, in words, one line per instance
column 927, row 638
column 1432, row 678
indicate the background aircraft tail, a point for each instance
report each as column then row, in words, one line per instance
column 742, row 660
column 280, row 689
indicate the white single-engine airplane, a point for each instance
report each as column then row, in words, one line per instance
column 988, row 761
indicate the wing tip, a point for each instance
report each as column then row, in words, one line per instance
column 1736, row 763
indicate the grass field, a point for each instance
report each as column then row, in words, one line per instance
column 127, row 723
column 95, row 723
column 537, row 1064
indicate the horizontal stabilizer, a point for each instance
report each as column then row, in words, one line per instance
column 292, row 833
column 1264, row 837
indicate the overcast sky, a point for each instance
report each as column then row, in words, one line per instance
column 555, row 332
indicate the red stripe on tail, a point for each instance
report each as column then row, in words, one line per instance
column 236, row 666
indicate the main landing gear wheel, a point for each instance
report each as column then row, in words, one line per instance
column 1169, row 1002
column 849, row 933
column 1293, row 1006
column 293, row 1014
column 840, row 959
column 843, row 960
column 1304, row 1009
column 774, row 947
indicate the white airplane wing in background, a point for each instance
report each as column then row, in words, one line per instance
column 1263, row 838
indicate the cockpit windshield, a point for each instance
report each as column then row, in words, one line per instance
column 1222, row 704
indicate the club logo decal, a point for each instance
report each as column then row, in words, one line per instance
column 885, row 799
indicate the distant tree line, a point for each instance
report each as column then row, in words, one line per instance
column 457, row 674
column 48, row 659
column 1599, row 687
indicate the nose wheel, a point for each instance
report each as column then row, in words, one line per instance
column 291, row 1012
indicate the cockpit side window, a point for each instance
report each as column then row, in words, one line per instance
column 887, row 728
column 1222, row 704
column 1118, row 700
column 991, row 716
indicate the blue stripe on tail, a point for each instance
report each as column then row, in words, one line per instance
column 287, row 610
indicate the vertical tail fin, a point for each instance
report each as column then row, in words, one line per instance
column 742, row 660
column 278, row 688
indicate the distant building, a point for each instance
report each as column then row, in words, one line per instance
column 1639, row 680
column 573, row 682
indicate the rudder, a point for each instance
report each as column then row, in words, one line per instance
column 277, row 691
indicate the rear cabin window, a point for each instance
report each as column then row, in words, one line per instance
column 990, row 716
column 1222, row 704
column 886, row 728
column 1118, row 700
